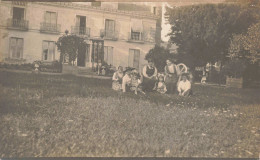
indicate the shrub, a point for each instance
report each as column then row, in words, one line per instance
column 54, row 66
column 234, row 68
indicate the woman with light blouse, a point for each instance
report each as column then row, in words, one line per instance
column 117, row 79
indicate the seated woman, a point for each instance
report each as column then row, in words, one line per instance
column 160, row 85
column 184, row 86
column 117, row 79
column 136, row 81
column 149, row 73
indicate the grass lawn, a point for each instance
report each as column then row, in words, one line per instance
column 43, row 115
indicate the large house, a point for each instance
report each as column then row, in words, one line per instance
column 124, row 34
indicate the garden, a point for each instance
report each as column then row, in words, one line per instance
column 69, row 116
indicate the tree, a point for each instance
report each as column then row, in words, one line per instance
column 68, row 45
column 246, row 45
column 204, row 31
column 159, row 55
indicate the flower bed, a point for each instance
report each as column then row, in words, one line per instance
column 54, row 66
column 24, row 67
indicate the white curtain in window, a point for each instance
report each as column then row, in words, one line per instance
column 136, row 25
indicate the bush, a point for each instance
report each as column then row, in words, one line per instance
column 234, row 68
column 54, row 66
column 25, row 66
column 159, row 55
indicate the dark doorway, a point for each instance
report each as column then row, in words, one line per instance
column 81, row 56
column 18, row 13
column 97, row 55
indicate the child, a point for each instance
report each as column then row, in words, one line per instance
column 160, row 85
column 136, row 81
column 184, row 86
column 117, row 79
column 126, row 81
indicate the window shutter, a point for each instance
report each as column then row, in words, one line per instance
column 110, row 55
column 12, row 47
column 51, row 51
column 136, row 59
column 53, row 18
column 47, row 17
column 117, row 28
column 19, row 48
column 45, row 50
column 77, row 21
column 105, row 53
column 131, row 58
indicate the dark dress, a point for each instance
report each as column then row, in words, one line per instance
column 148, row 84
column 171, row 82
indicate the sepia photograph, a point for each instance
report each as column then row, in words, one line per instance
column 142, row 78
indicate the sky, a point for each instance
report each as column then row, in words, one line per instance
column 166, row 27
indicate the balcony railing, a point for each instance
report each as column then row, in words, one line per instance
column 17, row 24
column 19, row 3
column 147, row 36
column 134, row 37
column 109, row 34
column 81, row 31
column 50, row 28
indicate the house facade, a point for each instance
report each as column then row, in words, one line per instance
column 29, row 30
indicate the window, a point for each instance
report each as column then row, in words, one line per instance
column 154, row 10
column 48, row 50
column 133, row 58
column 135, row 35
column 18, row 13
column 136, row 29
column 108, row 55
column 109, row 25
column 96, row 4
column 16, row 47
column 80, row 25
column 50, row 17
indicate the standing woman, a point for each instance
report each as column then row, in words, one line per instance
column 149, row 76
column 171, row 77
column 117, row 79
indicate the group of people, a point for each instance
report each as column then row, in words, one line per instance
column 171, row 81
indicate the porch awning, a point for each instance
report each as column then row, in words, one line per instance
column 136, row 25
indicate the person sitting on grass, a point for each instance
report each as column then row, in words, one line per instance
column 126, row 81
column 136, row 81
column 160, row 86
column 184, row 86
column 117, row 79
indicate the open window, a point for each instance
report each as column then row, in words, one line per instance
column 136, row 30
